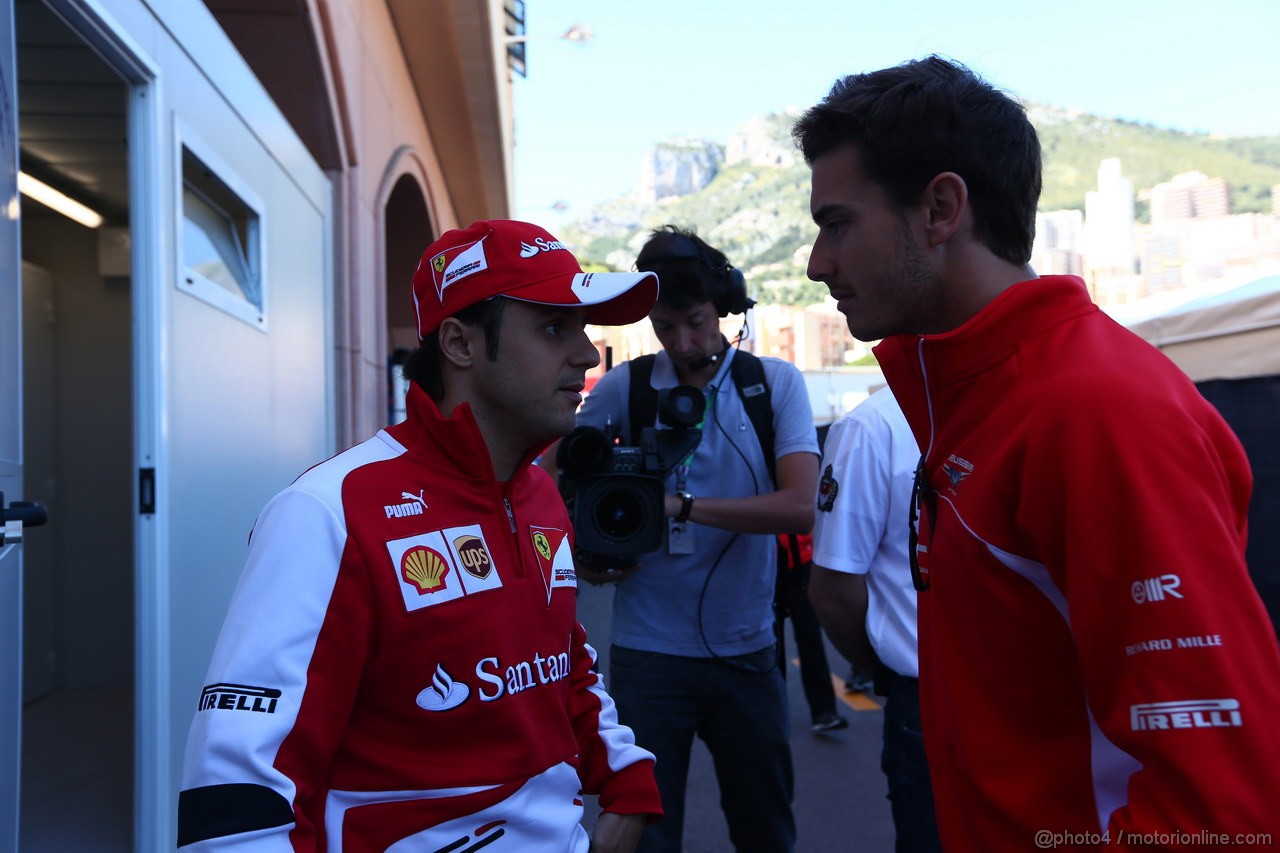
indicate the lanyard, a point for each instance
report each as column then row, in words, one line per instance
column 682, row 470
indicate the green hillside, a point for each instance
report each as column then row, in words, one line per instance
column 759, row 215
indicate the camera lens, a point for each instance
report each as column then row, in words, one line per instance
column 681, row 406
column 586, row 450
column 619, row 514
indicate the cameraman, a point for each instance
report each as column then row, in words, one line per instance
column 693, row 643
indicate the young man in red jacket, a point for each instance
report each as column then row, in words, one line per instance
column 401, row 666
column 1095, row 663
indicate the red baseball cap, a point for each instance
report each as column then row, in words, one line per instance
column 502, row 257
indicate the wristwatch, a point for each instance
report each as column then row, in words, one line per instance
column 685, row 508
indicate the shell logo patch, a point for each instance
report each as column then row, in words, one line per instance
column 442, row 566
column 474, row 556
column 424, row 568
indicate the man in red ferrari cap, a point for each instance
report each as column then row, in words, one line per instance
column 401, row 666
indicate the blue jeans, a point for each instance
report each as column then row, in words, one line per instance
column 907, row 771
column 740, row 712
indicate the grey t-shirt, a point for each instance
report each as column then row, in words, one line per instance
column 713, row 600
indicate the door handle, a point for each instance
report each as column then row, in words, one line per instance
column 17, row 515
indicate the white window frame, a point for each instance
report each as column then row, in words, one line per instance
column 188, row 280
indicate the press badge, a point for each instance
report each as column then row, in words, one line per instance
column 679, row 537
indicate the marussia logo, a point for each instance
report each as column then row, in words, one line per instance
column 955, row 475
column 956, row 469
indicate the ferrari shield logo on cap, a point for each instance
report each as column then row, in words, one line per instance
column 452, row 265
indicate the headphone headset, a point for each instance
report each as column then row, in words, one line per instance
column 732, row 300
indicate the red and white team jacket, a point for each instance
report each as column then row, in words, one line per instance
column 401, row 667
column 1095, row 661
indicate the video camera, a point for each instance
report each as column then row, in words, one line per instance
column 616, row 493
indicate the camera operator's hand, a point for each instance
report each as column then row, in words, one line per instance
column 596, row 577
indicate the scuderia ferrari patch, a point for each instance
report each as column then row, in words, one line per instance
column 443, row 565
column 555, row 558
column 456, row 263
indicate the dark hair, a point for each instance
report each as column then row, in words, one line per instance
column 424, row 366
column 689, row 269
column 914, row 121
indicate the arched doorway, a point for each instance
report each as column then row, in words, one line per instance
column 408, row 233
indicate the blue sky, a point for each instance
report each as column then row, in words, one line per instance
column 666, row 68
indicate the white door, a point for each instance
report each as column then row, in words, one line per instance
column 10, row 442
column 233, row 389
column 244, row 377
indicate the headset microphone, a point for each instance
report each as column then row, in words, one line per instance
column 705, row 361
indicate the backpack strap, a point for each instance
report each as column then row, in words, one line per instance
column 757, row 399
column 642, row 399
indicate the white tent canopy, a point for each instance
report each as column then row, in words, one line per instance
column 1229, row 334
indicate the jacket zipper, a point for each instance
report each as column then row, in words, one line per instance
column 511, row 520
column 923, row 471
column 928, row 398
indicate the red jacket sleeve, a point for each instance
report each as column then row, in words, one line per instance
column 1145, row 536
column 612, row 765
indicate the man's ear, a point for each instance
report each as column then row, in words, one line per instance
column 459, row 342
column 946, row 205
